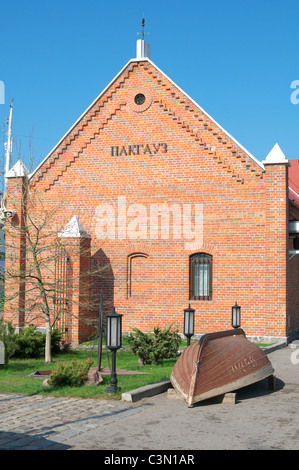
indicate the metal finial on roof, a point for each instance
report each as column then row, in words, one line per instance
column 143, row 24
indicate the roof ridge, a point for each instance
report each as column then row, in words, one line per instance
column 132, row 61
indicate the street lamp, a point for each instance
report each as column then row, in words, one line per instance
column 189, row 323
column 113, row 343
column 236, row 316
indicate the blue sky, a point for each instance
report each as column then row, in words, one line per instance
column 237, row 59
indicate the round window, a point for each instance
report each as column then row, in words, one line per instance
column 139, row 99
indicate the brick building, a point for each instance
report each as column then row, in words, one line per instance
column 169, row 208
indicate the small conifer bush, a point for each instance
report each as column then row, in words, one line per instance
column 153, row 347
column 73, row 373
column 30, row 343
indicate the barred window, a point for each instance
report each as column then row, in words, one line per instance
column 200, row 277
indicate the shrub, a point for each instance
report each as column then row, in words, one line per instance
column 30, row 343
column 152, row 348
column 73, row 373
column 7, row 336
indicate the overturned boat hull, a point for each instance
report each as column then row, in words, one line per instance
column 219, row 363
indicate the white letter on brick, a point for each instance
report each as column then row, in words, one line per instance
column 105, row 227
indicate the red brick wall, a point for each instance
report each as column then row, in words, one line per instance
column 276, row 178
column 245, row 210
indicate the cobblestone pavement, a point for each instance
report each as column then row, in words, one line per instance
column 261, row 419
column 45, row 422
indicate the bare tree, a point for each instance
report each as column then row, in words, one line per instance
column 40, row 274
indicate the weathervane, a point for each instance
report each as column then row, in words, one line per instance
column 143, row 23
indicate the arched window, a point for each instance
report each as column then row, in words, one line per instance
column 136, row 275
column 200, row 276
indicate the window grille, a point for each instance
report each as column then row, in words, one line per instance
column 200, row 279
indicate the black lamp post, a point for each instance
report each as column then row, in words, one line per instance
column 236, row 316
column 189, row 323
column 114, row 321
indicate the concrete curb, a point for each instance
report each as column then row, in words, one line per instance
column 274, row 347
column 147, row 391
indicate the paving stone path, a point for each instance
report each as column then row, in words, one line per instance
column 40, row 422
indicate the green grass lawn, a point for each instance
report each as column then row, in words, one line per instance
column 14, row 376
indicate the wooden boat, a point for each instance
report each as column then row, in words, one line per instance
column 219, row 363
